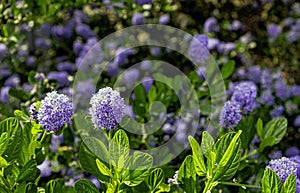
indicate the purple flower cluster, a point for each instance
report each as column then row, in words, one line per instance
column 245, row 94
column 107, row 108
column 230, row 114
column 55, row 111
column 198, row 48
column 283, row 167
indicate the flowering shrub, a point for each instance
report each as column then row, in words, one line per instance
column 149, row 96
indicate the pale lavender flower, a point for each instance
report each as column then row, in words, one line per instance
column 77, row 47
column 211, row 25
column 254, row 74
column 281, row 90
column 295, row 90
column 137, row 19
column 277, row 112
column 297, row 121
column 42, row 43
column 61, row 77
column 298, row 185
column 146, row 65
column 107, row 108
column 273, row 30
column 56, row 142
column 45, row 168
column 3, row 50
column 292, row 151
column 245, row 93
column 266, row 98
column 226, row 47
column 155, row 51
column 130, row 77
column 55, row 111
column 30, row 60
column 164, row 19
column 198, row 48
column 174, row 180
column 213, row 43
column 147, row 83
column 66, row 67
column 230, row 114
column 4, row 96
column 296, row 159
column 13, row 81
column 283, row 167
column 275, row 154
column 143, row 2
column 84, row 31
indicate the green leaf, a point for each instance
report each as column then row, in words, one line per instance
column 205, row 108
column 163, row 188
column 29, row 172
column 155, row 178
column 200, row 167
column 15, row 136
column 22, row 116
column 54, row 186
column 259, row 128
column 137, row 168
column 31, row 77
column 119, row 147
column 271, row 182
column 85, row 186
column 103, row 169
column 140, row 93
column 19, row 94
column 228, row 150
column 87, row 157
column 246, row 125
column 3, row 142
column 33, row 146
column 273, row 132
column 21, row 188
column 31, row 188
column 3, row 162
column 187, row 175
column 152, row 94
column 228, row 69
column 207, row 142
column 289, row 185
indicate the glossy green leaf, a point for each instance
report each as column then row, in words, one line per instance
column 228, row 69
column 247, row 126
column 259, row 128
column 119, row 147
column 187, row 175
column 29, row 172
column 137, row 168
column 273, row 132
column 207, row 142
column 3, row 162
column 199, row 164
column 102, row 168
column 289, row 185
column 22, row 116
column 85, row 186
column 228, row 155
column 271, row 182
column 3, row 142
column 54, row 186
column 155, row 178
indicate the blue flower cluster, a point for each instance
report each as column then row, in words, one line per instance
column 283, row 167
column 242, row 101
column 55, row 111
column 107, row 108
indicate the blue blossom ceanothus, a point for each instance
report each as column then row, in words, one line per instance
column 61, row 77
column 107, row 108
column 211, row 25
column 283, row 167
column 230, row 114
column 292, row 151
column 296, row 159
column 275, row 154
column 254, row 74
column 295, row 90
column 297, row 121
column 137, row 19
column 198, row 48
column 55, row 111
column 277, row 111
column 298, row 185
column 266, row 98
column 164, row 19
column 3, row 50
column 281, row 90
column 273, row 30
column 143, row 2
column 245, row 93
column 33, row 112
